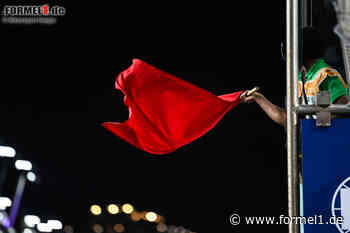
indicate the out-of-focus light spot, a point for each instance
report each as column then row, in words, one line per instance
column 161, row 227
column 68, row 229
column 43, row 227
column 180, row 230
column 11, row 230
column 55, row 224
column 96, row 210
column 6, row 151
column 27, row 230
column 5, row 202
column 31, row 176
column 171, row 229
column 23, row 165
column 2, row 216
column 151, row 216
column 31, row 220
column 6, row 223
column 119, row 228
column 127, row 208
column 160, row 219
column 136, row 216
column 143, row 215
column 97, row 228
column 113, row 209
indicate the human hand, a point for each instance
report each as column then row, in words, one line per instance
column 250, row 95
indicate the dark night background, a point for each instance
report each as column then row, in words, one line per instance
column 57, row 87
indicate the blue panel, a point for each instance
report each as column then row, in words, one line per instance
column 326, row 165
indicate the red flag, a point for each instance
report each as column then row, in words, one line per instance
column 166, row 112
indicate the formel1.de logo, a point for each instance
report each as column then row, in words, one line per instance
column 341, row 205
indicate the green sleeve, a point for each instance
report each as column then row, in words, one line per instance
column 334, row 86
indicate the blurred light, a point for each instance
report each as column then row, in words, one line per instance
column 113, row 209
column 97, row 228
column 11, row 230
column 5, row 202
column 151, row 216
column 55, row 224
column 43, row 227
column 31, row 220
column 180, row 230
column 2, row 216
column 127, row 208
column 143, row 215
column 161, row 227
column 23, row 165
column 160, row 219
column 6, row 151
column 27, row 230
column 68, row 229
column 171, row 229
column 119, row 228
column 31, row 176
column 6, row 222
column 136, row 216
column 96, row 210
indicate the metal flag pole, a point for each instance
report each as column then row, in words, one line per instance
column 292, row 74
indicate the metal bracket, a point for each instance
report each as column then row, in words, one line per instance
column 323, row 118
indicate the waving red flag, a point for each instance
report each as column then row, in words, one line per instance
column 166, row 112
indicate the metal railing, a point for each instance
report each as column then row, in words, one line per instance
column 294, row 108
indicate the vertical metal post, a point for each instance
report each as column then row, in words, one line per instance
column 292, row 74
column 306, row 13
column 310, row 13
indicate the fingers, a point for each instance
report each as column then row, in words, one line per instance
column 250, row 95
column 252, row 91
column 244, row 94
column 249, row 92
column 248, row 99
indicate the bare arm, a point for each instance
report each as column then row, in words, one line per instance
column 276, row 113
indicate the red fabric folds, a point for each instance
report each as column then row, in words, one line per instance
column 166, row 112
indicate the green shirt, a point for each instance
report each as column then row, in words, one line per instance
column 321, row 77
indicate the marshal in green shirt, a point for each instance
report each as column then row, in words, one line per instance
column 321, row 77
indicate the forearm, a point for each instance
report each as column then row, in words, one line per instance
column 276, row 113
